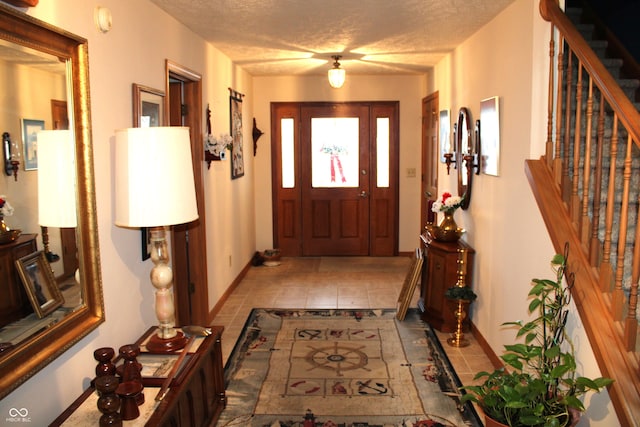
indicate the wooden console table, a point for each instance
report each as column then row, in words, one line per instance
column 197, row 400
column 439, row 272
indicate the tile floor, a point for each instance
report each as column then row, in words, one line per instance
column 332, row 282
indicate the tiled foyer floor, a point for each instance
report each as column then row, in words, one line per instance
column 331, row 282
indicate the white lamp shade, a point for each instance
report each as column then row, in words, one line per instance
column 154, row 177
column 336, row 77
column 56, row 179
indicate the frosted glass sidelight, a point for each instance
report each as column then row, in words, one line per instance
column 382, row 152
column 335, row 152
column 288, row 151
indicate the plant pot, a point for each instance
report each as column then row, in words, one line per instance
column 490, row 422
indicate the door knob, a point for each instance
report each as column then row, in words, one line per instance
column 363, row 194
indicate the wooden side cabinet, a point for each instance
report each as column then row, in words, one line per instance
column 439, row 272
column 196, row 401
column 14, row 304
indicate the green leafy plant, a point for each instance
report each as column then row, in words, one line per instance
column 539, row 385
column 460, row 292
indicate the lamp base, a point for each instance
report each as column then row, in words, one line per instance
column 166, row 345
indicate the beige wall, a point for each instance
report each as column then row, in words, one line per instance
column 503, row 221
column 509, row 58
column 409, row 90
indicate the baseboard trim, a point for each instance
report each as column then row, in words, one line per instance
column 232, row 287
column 493, row 357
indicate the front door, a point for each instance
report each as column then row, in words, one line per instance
column 335, row 180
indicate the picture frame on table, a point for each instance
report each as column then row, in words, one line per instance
column 30, row 129
column 39, row 283
column 148, row 111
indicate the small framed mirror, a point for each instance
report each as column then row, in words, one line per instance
column 464, row 150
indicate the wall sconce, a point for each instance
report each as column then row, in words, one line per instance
column 155, row 188
column 336, row 74
column 12, row 156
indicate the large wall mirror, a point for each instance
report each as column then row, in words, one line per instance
column 45, row 75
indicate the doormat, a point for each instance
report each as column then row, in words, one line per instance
column 348, row 368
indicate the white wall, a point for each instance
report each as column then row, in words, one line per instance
column 409, row 90
column 509, row 58
column 134, row 51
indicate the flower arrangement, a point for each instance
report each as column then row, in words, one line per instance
column 447, row 203
column 217, row 145
column 5, row 208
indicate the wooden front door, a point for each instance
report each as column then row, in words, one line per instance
column 335, row 178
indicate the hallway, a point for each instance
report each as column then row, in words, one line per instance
column 328, row 282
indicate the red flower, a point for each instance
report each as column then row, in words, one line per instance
column 445, row 196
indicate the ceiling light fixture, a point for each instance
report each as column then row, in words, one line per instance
column 336, row 74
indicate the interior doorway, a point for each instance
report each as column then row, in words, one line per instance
column 184, row 105
column 430, row 156
column 335, row 178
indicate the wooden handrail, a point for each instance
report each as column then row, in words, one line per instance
column 603, row 79
column 567, row 185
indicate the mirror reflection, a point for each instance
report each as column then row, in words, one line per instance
column 464, row 152
column 35, row 99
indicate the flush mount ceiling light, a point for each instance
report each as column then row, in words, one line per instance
column 336, row 74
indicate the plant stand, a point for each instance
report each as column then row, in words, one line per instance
column 457, row 338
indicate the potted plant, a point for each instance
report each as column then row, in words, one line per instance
column 463, row 293
column 539, row 385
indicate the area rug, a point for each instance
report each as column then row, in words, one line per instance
column 347, row 368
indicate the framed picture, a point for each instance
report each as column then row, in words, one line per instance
column 409, row 285
column 30, row 129
column 39, row 283
column 490, row 135
column 445, row 134
column 237, row 154
column 148, row 111
column 148, row 107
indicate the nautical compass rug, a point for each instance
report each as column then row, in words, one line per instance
column 347, row 368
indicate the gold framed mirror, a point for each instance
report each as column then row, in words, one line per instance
column 21, row 360
column 463, row 149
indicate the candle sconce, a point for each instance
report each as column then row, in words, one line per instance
column 466, row 154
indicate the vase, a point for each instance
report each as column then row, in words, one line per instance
column 3, row 225
column 447, row 230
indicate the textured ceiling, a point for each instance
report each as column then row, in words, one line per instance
column 293, row 37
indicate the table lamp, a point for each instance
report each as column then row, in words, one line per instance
column 155, row 188
column 56, row 183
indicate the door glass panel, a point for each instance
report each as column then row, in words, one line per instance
column 382, row 152
column 335, row 152
column 286, row 146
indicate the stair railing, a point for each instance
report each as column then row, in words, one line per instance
column 587, row 187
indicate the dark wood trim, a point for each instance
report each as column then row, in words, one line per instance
column 223, row 299
column 190, row 266
column 603, row 332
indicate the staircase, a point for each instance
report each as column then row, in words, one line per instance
column 587, row 186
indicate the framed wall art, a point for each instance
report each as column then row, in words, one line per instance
column 148, row 107
column 148, row 111
column 39, row 283
column 237, row 151
column 490, row 135
column 445, row 134
column 30, row 129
